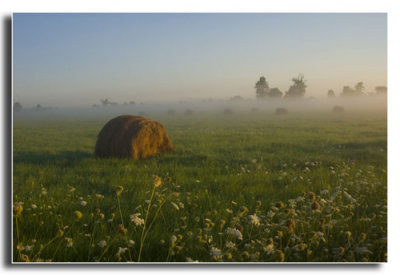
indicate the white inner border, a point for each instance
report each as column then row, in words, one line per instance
column 391, row 7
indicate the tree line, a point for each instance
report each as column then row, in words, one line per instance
column 298, row 89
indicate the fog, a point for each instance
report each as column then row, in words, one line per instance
column 214, row 107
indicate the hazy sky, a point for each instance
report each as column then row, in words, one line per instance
column 77, row 59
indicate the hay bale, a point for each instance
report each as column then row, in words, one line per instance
column 338, row 109
column 188, row 112
column 228, row 111
column 133, row 137
column 281, row 111
column 171, row 112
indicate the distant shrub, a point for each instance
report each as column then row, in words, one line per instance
column 237, row 98
column 281, row 111
column 275, row 93
column 17, row 107
column 381, row 90
column 188, row 112
column 338, row 109
column 228, row 111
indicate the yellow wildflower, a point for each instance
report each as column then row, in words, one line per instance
column 119, row 190
column 78, row 215
column 157, row 181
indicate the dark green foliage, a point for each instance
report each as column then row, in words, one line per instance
column 17, row 107
column 262, row 88
column 298, row 89
column 358, row 90
column 331, row 93
column 381, row 90
column 275, row 93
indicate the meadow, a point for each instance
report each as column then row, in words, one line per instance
column 245, row 187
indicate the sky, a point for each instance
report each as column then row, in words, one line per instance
column 77, row 59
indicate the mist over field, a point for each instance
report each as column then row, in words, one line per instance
column 199, row 138
column 211, row 107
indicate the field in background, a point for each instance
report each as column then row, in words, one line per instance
column 250, row 186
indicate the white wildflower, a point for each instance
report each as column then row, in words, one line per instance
column 230, row 245
column 188, row 259
column 254, row 220
column 136, row 220
column 215, row 252
column 121, row 250
column 269, row 249
column 348, row 197
column 83, row 203
column 175, row 205
column 363, row 250
column 234, row 232
column 102, row 243
column 324, row 192
column 28, row 247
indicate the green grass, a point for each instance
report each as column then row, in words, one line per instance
column 223, row 164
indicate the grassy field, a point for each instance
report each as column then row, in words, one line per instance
column 305, row 187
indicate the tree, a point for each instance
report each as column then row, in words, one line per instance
column 357, row 91
column 262, row 88
column 298, row 89
column 381, row 90
column 105, row 102
column 359, row 88
column 17, row 106
column 237, row 98
column 275, row 93
column 347, row 91
column 331, row 93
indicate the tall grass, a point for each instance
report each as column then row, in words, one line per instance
column 246, row 187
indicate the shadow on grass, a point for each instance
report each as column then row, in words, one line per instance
column 65, row 158
column 183, row 159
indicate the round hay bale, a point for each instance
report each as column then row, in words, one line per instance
column 228, row 111
column 171, row 112
column 338, row 109
column 188, row 112
column 133, row 137
column 281, row 111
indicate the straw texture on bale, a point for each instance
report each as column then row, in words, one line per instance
column 133, row 137
column 281, row 111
